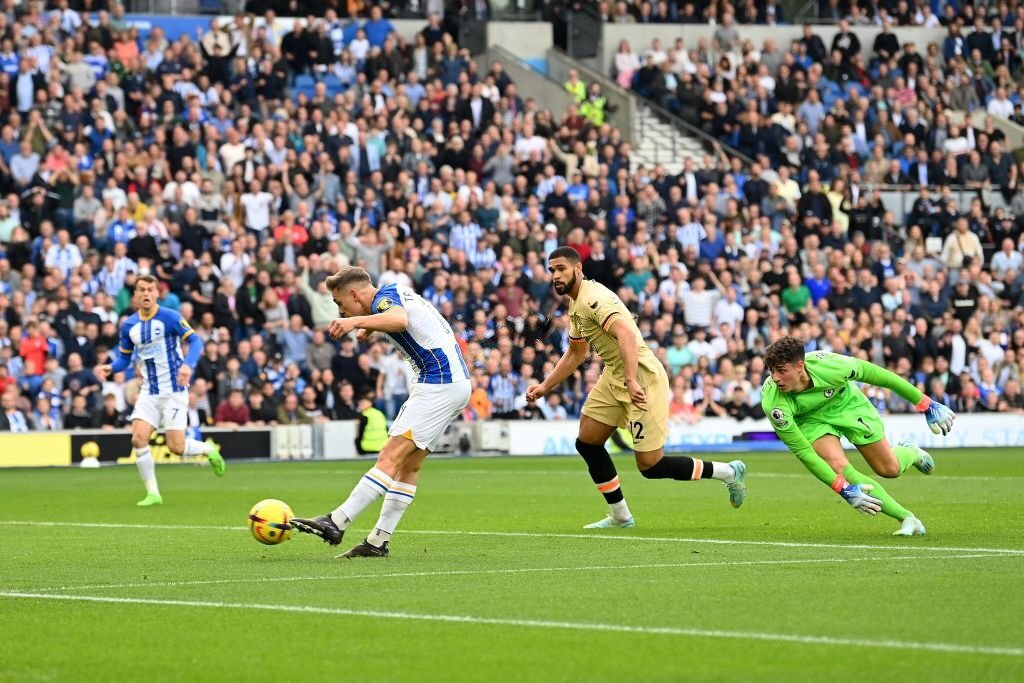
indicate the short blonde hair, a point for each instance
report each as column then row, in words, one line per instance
column 348, row 276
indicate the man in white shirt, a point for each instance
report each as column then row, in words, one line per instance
column 690, row 232
column 64, row 255
column 257, row 205
column 1006, row 259
column 1000, row 105
column 728, row 311
column 232, row 151
column 529, row 142
column 698, row 304
column 699, row 346
column 674, row 286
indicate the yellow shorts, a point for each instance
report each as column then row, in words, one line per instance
column 608, row 403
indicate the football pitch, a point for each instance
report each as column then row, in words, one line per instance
column 492, row 578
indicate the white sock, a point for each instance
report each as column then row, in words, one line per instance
column 147, row 469
column 193, row 447
column 396, row 501
column 620, row 511
column 372, row 486
column 722, row 471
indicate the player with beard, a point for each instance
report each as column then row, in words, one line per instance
column 632, row 392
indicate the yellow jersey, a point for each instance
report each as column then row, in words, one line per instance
column 590, row 317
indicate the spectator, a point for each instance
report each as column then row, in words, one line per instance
column 291, row 413
column 373, row 427
column 109, row 417
column 12, row 419
column 232, row 411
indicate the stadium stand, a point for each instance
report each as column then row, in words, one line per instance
column 241, row 167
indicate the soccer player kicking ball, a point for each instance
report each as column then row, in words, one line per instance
column 632, row 391
column 157, row 334
column 812, row 401
column 440, row 394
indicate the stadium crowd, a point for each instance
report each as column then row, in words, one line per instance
column 242, row 167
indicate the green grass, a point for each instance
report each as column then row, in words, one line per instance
column 724, row 610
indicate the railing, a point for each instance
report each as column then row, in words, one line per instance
column 711, row 143
column 807, row 12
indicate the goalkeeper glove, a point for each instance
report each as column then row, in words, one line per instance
column 939, row 417
column 857, row 496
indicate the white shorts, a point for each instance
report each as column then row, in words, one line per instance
column 169, row 411
column 425, row 417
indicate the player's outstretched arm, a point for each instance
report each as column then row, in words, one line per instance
column 940, row 418
column 122, row 357
column 567, row 365
column 393, row 320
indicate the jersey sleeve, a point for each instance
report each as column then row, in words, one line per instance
column 780, row 413
column 386, row 300
column 602, row 306
column 870, row 373
column 836, row 369
column 575, row 334
column 182, row 328
column 125, row 345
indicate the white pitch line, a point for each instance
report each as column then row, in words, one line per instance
column 953, row 648
column 577, row 473
column 519, row 570
column 531, row 534
column 716, row 541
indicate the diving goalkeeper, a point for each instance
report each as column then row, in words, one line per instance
column 813, row 401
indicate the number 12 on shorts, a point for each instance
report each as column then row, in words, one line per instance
column 636, row 430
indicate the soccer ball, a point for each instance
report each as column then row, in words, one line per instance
column 270, row 521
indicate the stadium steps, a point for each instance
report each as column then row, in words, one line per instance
column 658, row 142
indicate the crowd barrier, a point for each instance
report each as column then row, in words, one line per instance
column 336, row 440
column 970, row 431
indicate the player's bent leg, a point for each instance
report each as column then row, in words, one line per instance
column 657, row 465
column 593, row 435
column 180, row 445
column 881, row 458
column 141, row 432
column 829, row 448
column 175, row 419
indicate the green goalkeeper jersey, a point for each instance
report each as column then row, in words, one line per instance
column 828, row 397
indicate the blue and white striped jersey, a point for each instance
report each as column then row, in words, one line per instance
column 157, row 343
column 428, row 343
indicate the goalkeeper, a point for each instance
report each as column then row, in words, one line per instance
column 813, row 401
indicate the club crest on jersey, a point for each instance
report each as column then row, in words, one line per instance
column 779, row 418
column 384, row 304
column 829, row 393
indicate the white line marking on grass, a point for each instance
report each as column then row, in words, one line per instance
column 518, row 570
column 714, row 541
column 599, row 536
column 577, row 473
column 119, row 525
column 953, row 648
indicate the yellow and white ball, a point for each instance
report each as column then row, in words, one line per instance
column 270, row 521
